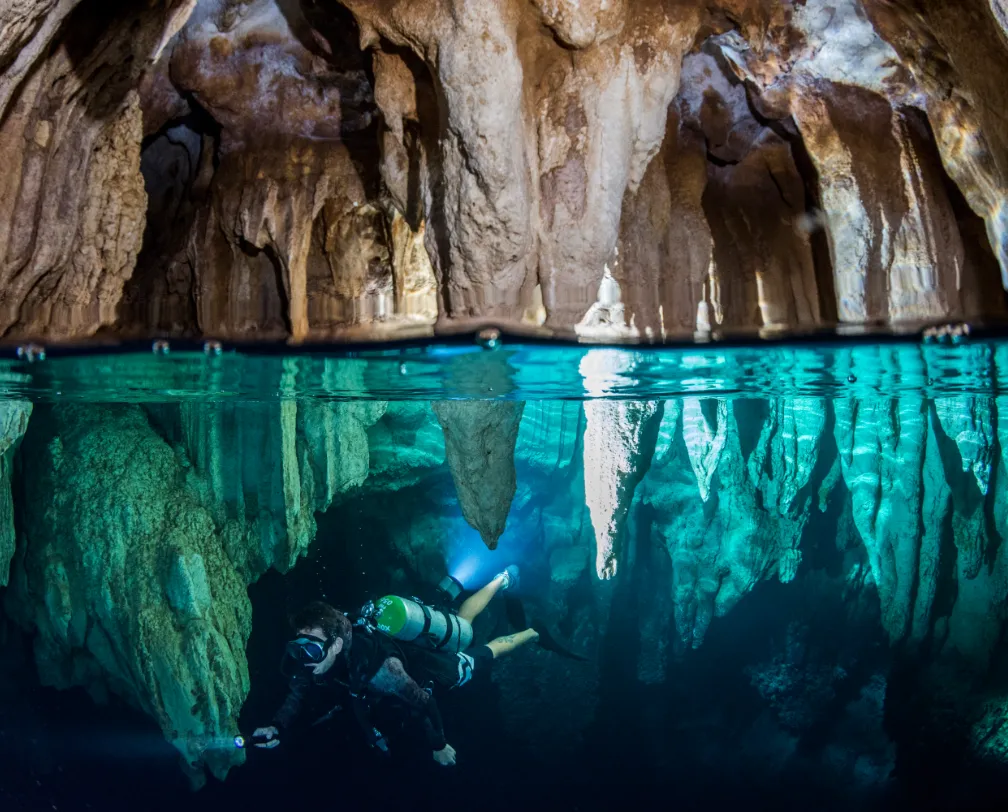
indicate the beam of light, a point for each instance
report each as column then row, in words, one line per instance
column 465, row 570
column 113, row 746
column 470, row 561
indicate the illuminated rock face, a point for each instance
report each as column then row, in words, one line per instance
column 619, row 442
column 480, row 440
column 304, row 170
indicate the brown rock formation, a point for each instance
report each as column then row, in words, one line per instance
column 958, row 52
column 72, row 201
column 480, row 438
column 726, row 165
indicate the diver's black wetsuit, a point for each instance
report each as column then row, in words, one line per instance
column 375, row 666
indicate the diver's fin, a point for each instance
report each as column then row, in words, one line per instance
column 516, row 617
column 547, row 642
column 515, row 613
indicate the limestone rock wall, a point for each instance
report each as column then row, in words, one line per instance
column 71, row 220
column 126, row 582
column 265, row 470
column 185, row 505
column 958, row 49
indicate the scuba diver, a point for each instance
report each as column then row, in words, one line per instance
column 398, row 649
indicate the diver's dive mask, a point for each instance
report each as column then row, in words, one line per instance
column 308, row 650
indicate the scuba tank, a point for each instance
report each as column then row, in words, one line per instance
column 412, row 621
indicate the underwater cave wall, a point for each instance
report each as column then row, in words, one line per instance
column 143, row 526
column 13, row 423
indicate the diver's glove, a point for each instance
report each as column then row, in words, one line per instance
column 445, row 757
column 269, row 735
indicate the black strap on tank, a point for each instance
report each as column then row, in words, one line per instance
column 448, row 630
column 426, row 619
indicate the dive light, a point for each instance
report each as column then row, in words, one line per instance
column 450, row 587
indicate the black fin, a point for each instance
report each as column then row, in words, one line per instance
column 515, row 613
column 516, row 617
column 547, row 642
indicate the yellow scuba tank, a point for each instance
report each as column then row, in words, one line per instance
column 414, row 622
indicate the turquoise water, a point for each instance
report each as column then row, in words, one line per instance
column 519, row 372
column 781, row 569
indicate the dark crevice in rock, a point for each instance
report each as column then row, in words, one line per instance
column 273, row 282
column 817, row 233
column 177, row 163
column 715, row 159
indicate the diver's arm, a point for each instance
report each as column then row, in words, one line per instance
column 292, row 705
column 393, row 680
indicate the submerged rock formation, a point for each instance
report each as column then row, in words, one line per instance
column 618, row 445
column 143, row 527
column 126, row 582
column 312, row 169
column 480, row 438
column 265, row 472
column 13, row 423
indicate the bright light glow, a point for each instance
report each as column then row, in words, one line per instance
column 465, row 570
column 474, row 565
column 470, row 562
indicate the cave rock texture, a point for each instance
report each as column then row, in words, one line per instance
column 13, row 423
column 127, row 582
column 143, row 528
column 297, row 170
column 140, row 528
column 480, row 439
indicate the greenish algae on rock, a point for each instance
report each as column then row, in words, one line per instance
column 126, row 582
column 266, row 469
column 14, row 416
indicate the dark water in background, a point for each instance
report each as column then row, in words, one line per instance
column 696, row 734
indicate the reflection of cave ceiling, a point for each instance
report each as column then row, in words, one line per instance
column 268, row 169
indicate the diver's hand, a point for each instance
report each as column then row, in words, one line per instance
column 268, row 733
column 446, row 757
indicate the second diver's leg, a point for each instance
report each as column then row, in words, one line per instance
column 507, row 644
column 478, row 601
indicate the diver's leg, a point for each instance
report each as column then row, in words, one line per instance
column 505, row 645
column 478, row 601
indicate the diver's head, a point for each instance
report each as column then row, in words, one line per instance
column 323, row 633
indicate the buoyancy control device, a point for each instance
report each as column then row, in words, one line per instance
column 413, row 621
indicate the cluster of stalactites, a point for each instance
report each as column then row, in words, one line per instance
column 917, row 472
column 579, row 163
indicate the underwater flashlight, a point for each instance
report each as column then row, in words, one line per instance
column 450, row 587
